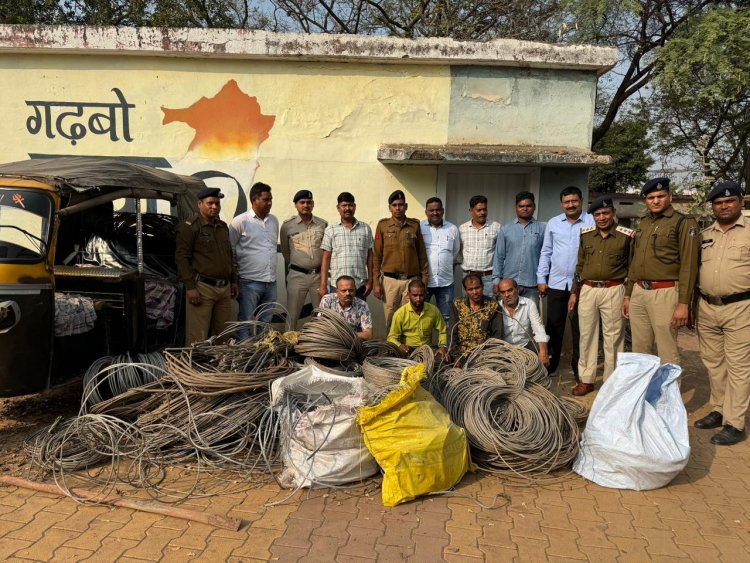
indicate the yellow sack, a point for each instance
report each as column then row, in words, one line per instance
column 413, row 440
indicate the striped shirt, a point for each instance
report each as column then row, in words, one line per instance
column 478, row 245
column 348, row 248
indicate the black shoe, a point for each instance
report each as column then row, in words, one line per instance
column 711, row 420
column 730, row 435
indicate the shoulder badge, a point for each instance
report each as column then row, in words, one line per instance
column 625, row 231
column 585, row 230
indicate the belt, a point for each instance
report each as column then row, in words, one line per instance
column 656, row 284
column 396, row 276
column 303, row 270
column 603, row 284
column 726, row 299
column 478, row 272
column 211, row 281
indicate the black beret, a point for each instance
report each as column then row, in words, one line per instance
column 302, row 194
column 602, row 202
column 210, row 192
column 725, row 189
column 655, row 184
column 398, row 194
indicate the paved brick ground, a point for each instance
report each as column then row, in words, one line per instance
column 704, row 515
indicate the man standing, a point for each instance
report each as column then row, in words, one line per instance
column 300, row 241
column 724, row 313
column 603, row 258
column 354, row 310
column 254, row 235
column 414, row 322
column 399, row 254
column 474, row 318
column 347, row 250
column 521, row 321
column 557, row 266
column 519, row 245
column 478, row 239
column 206, row 267
column 662, row 274
column 443, row 245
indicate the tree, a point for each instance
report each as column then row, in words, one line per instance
column 628, row 144
column 703, row 96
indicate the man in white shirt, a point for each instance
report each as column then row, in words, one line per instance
column 443, row 245
column 253, row 235
column 521, row 320
column 478, row 240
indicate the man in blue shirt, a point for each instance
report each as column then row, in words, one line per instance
column 557, row 266
column 518, row 247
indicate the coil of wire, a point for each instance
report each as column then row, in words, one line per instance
column 328, row 336
column 518, row 366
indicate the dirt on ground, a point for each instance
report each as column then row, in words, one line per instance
column 22, row 416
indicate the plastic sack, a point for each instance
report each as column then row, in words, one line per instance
column 636, row 436
column 414, row 441
column 321, row 445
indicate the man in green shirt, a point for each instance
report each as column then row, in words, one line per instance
column 414, row 322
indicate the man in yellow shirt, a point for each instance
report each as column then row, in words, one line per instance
column 414, row 322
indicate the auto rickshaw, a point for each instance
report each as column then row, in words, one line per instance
column 50, row 212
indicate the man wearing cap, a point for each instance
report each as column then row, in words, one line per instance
column 253, row 235
column 599, row 289
column 478, row 241
column 723, row 318
column 662, row 274
column 347, row 250
column 206, row 268
column 300, row 238
column 399, row 254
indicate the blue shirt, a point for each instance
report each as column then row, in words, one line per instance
column 557, row 263
column 517, row 252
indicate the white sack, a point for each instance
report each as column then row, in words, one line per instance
column 323, row 446
column 636, row 436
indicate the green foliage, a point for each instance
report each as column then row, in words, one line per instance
column 29, row 11
column 628, row 144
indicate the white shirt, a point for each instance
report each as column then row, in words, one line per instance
column 524, row 322
column 254, row 245
column 478, row 245
column 443, row 245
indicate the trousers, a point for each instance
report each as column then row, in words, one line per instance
column 595, row 304
column 210, row 317
column 396, row 294
column 298, row 287
column 651, row 312
column 557, row 316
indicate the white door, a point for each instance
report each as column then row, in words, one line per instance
column 500, row 184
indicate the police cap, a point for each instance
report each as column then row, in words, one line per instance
column 655, row 184
column 302, row 194
column 725, row 189
column 210, row 192
column 398, row 194
column 602, row 202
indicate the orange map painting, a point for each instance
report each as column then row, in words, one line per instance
column 229, row 125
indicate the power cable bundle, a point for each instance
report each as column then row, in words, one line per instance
column 327, row 335
column 110, row 376
column 518, row 366
column 385, row 373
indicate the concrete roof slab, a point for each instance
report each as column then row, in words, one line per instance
column 489, row 154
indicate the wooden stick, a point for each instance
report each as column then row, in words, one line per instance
column 212, row 519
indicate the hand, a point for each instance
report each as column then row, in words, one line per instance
column 377, row 290
column 680, row 317
column 544, row 358
column 626, row 307
column 572, row 302
column 193, row 297
column 404, row 348
column 542, row 287
column 368, row 289
column 495, row 287
column 322, row 290
column 234, row 290
column 442, row 353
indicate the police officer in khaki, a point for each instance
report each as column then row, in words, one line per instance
column 206, row 268
column 599, row 289
column 300, row 239
column 723, row 318
column 399, row 255
column 662, row 274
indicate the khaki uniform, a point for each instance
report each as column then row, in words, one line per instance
column 600, row 281
column 399, row 255
column 300, row 246
column 204, row 262
column 666, row 250
column 724, row 330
